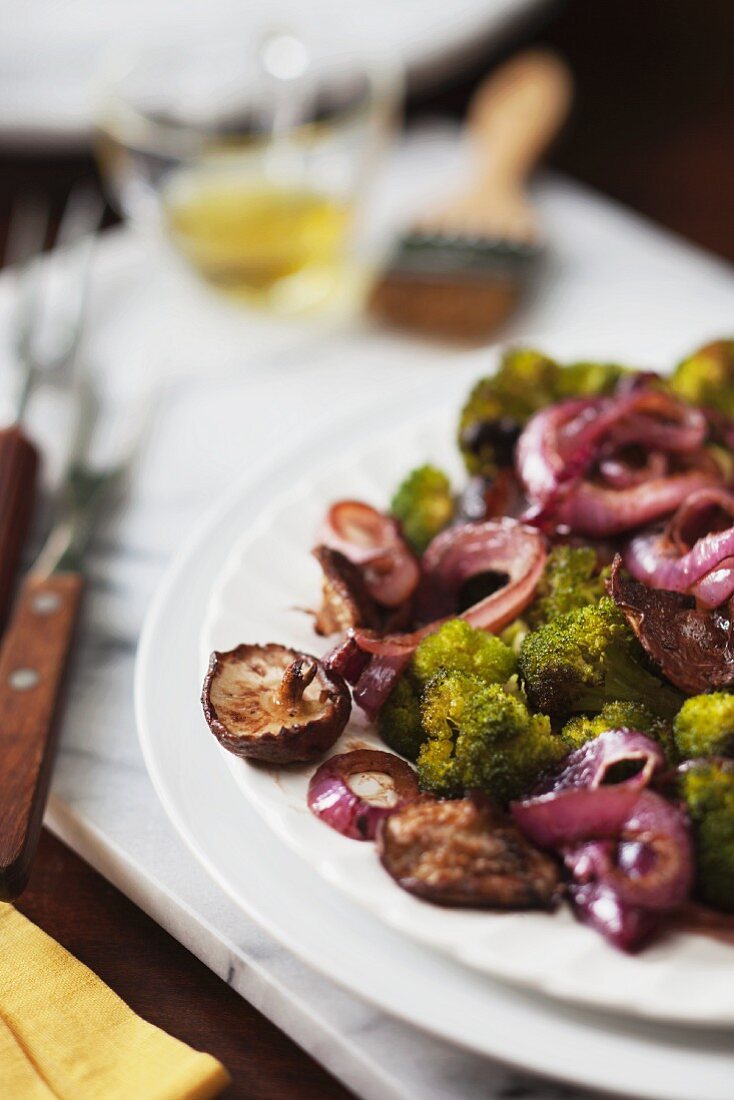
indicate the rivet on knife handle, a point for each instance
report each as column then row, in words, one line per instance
column 33, row 660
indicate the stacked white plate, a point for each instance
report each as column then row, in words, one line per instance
column 543, row 992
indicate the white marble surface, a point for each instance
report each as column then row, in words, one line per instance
column 227, row 388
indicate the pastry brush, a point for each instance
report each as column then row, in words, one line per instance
column 462, row 267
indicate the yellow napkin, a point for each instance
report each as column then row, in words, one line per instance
column 65, row 1036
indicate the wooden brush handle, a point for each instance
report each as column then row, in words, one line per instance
column 33, row 659
column 515, row 114
column 18, row 471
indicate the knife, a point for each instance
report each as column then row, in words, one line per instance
column 34, row 657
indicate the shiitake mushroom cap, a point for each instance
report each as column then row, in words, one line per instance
column 346, row 602
column 466, row 852
column 274, row 704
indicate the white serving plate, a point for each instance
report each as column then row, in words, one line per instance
column 256, row 597
column 223, row 830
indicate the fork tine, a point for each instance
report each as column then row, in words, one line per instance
column 73, row 248
column 80, row 221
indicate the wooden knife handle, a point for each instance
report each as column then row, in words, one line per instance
column 18, row 471
column 33, row 659
column 516, row 113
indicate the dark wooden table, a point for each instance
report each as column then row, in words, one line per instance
column 653, row 127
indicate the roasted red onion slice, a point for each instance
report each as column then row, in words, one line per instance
column 624, row 926
column 578, row 801
column 542, row 461
column 560, row 446
column 591, row 765
column 377, row 681
column 552, row 821
column 599, row 512
column 499, row 546
column 347, row 659
column 618, row 471
column 660, row 422
column 504, row 547
column 624, row 887
column 373, row 541
column 717, row 586
column 655, row 857
column 628, row 850
column 695, row 554
column 354, row 791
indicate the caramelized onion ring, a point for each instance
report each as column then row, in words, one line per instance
column 505, row 547
column 332, row 798
column 373, row 541
column 694, row 555
column 599, row 512
column 497, row 546
column 560, row 446
column 575, row 804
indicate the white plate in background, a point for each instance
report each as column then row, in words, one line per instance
column 50, row 51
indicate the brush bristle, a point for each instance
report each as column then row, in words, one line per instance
column 423, row 252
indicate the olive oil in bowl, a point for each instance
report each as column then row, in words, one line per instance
column 280, row 246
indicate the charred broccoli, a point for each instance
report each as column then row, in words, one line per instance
column 704, row 726
column 454, row 647
column 526, row 381
column 499, row 405
column 399, row 722
column 707, row 377
column 589, row 379
column 586, row 658
column 618, row 715
column 424, row 505
column 571, row 579
column 514, row 634
column 458, row 647
column 480, row 736
column 707, row 786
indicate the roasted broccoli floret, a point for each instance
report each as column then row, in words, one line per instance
column 399, row 722
column 526, row 381
column 454, row 647
column 499, row 405
column 619, row 715
column 707, row 786
column 571, row 579
column 707, row 377
column 589, row 379
column 514, row 634
column 458, row 647
column 586, row 658
column 424, row 505
column 704, row 726
column 480, row 736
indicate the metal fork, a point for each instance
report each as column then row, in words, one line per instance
column 36, row 647
column 39, row 361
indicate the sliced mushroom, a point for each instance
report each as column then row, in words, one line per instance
column 466, row 853
column 346, row 603
column 693, row 647
column 270, row 703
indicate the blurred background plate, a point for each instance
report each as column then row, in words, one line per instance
column 49, row 52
